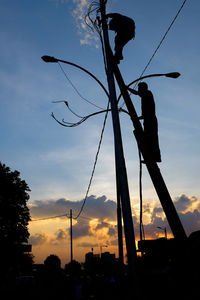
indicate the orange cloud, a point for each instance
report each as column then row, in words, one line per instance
column 97, row 225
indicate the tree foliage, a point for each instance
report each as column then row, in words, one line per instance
column 14, row 213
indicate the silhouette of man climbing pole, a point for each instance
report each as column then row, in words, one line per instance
column 149, row 119
column 125, row 31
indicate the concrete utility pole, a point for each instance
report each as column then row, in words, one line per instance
column 122, row 180
column 71, row 237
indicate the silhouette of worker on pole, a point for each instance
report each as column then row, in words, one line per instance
column 125, row 31
column 150, row 123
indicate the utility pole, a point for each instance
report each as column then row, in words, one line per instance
column 121, row 174
column 152, row 167
column 71, row 238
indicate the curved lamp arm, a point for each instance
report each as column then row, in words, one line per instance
column 170, row 75
column 51, row 59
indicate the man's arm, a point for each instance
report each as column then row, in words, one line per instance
column 135, row 93
column 132, row 91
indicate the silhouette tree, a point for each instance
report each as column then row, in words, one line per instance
column 14, row 218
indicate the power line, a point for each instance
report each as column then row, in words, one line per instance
column 59, row 216
column 48, row 218
column 163, row 38
column 159, row 45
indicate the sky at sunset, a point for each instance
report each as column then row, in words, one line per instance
column 55, row 161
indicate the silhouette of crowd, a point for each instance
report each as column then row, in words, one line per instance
column 75, row 281
column 156, row 276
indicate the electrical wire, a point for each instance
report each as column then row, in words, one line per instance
column 94, row 23
column 69, row 124
column 160, row 43
column 163, row 38
column 142, row 233
column 48, row 218
column 67, row 104
column 59, row 216
column 95, row 162
column 71, row 83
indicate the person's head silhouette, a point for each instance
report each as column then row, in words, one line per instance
column 142, row 87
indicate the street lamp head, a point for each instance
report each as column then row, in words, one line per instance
column 50, row 59
column 173, row 75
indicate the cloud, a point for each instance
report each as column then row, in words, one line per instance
column 79, row 12
column 157, row 213
column 98, row 209
column 38, row 239
column 190, row 221
column 99, row 213
column 81, row 229
column 87, row 245
column 112, row 231
column 183, row 203
column 61, row 234
column 95, row 207
column 88, row 37
column 188, row 211
column 102, row 225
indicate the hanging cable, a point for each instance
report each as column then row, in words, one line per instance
column 76, row 88
column 142, row 233
column 95, row 162
column 67, row 104
column 94, row 23
column 69, row 124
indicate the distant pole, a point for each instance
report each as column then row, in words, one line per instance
column 164, row 229
column 71, row 237
column 120, row 161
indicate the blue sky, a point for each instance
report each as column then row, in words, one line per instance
column 56, row 162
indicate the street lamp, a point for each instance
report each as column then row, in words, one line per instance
column 170, row 75
column 173, row 75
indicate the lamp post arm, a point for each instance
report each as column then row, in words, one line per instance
column 143, row 77
column 56, row 60
column 170, row 75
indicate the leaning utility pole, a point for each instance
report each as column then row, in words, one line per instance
column 152, row 167
column 121, row 175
